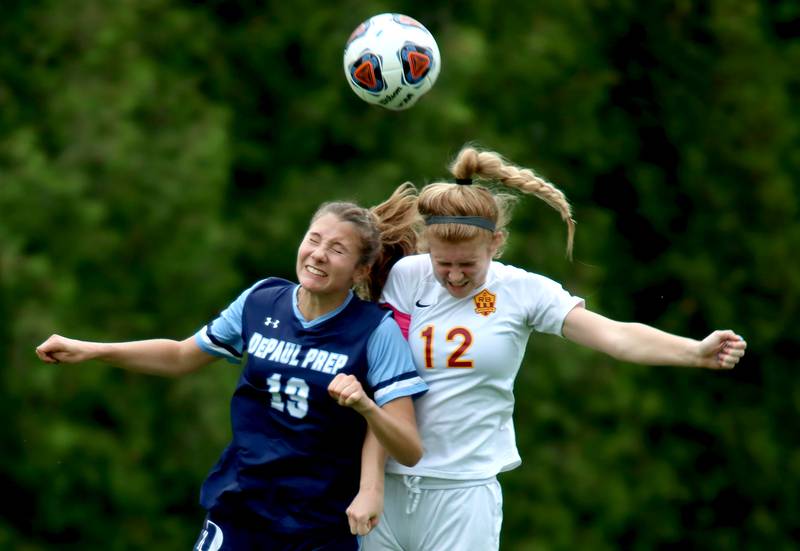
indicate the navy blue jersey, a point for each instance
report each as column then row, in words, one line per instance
column 295, row 456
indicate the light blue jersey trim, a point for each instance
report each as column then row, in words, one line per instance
column 316, row 321
column 388, row 356
column 391, row 371
column 227, row 329
column 390, row 361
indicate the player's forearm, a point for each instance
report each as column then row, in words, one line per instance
column 397, row 434
column 630, row 342
column 642, row 344
column 154, row 357
column 373, row 463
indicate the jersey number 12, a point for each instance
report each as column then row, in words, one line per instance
column 461, row 334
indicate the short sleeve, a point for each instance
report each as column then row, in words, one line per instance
column 223, row 335
column 391, row 372
column 547, row 304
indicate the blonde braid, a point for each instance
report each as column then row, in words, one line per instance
column 490, row 165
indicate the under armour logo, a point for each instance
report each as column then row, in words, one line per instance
column 269, row 322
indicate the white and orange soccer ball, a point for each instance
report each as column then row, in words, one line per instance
column 391, row 60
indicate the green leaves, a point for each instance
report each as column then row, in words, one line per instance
column 157, row 156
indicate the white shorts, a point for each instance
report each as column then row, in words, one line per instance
column 433, row 514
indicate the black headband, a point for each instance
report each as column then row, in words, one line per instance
column 479, row 221
column 464, row 181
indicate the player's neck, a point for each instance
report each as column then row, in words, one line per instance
column 314, row 305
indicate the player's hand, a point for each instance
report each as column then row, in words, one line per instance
column 721, row 350
column 364, row 512
column 61, row 349
column 347, row 391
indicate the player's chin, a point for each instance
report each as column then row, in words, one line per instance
column 459, row 291
column 313, row 284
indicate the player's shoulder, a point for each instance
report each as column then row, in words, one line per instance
column 416, row 265
column 268, row 290
column 508, row 272
column 272, row 283
column 413, row 261
column 367, row 307
column 513, row 276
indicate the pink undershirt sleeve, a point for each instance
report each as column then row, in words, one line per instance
column 402, row 319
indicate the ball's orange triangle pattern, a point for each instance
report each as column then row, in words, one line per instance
column 366, row 75
column 418, row 63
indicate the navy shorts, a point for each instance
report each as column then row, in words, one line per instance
column 227, row 533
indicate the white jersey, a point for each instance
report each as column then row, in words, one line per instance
column 469, row 351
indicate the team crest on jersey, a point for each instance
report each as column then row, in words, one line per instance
column 484, row 303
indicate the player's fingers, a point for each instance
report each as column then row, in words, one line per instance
column 354, row 386
column 46, row 354
column 736, row 345
column 360, row 523
column 43, row 349
column 342, row 395
column 343, row 381
column 731, row 352
column 353, row 522
column 734, row 355
column 336, row 382
column 363, row 527
column 353, row 393
column 353, row 399
column 350, row 385
column 47, row 358
column 726, row 361
column 336, row 385
column 736, row 341
column 735, row 352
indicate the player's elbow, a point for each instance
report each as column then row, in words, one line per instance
column 411, row 455
column 188, row 357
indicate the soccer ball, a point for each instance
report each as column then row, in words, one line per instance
column 391, row 60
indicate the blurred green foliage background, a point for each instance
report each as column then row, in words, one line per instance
column 157, row 156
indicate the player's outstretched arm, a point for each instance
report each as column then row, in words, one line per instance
column 394, row 424
column 155, row 357
column 642, row 344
